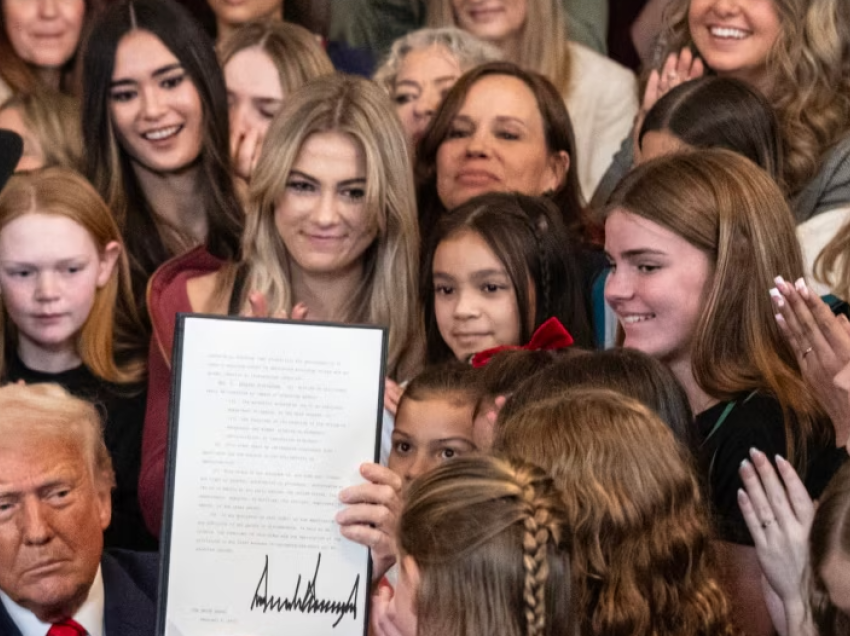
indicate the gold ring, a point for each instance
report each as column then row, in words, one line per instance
column 807, row 351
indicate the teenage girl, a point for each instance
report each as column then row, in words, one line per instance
column 155, row 130
column 67, row 316
column 500, row 266
column 484, row 549
column 693, row 241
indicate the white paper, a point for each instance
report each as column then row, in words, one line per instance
column 274, row 420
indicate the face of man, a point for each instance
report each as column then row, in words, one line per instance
column 53, row 511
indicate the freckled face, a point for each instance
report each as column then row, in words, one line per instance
column 735, row 38
column 429, row 432
column 50, row 271
column 474, row 299
column 656, row 286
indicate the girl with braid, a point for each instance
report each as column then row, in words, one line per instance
column 500, row 265
column 484, row 549
column 642, row 562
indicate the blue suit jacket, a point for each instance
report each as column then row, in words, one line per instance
column 129, row 584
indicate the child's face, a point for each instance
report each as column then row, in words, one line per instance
column 50, row 270
column 735, row 38
column 429, row 432
column 474, row 299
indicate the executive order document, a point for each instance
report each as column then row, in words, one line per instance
column 269, row 421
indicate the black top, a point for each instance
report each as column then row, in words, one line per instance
column 755, row 421
column 123, row 411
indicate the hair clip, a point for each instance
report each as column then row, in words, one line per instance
column 550, row 336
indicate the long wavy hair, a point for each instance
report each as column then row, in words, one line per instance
column 544, row 45
column 150, row 241
column 557, row 130
column 642, row 562
column 387, row 294
column 809, row 74
column 112, row 343
column 492, row 546
column 539, row 256
column 830, row 536
column 725, row 206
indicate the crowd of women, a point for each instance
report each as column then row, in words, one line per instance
column 614, row 391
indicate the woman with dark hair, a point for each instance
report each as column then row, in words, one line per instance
column 499, row 129
column 714, row 112
column 155, row 129
column 31, row 60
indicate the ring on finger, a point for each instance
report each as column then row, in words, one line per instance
column 807, row 351
column 765, row 524
column 672, row 75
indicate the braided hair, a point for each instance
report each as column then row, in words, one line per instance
column 490, row 540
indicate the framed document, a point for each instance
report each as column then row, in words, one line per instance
column 269, row 421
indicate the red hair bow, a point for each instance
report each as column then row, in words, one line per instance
column 550, row 336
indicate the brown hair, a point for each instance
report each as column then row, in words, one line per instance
column 294, row 51
column 722, row 204
column 809, row 71
column 557, row 129
column 492, row 546
column 830, row 535
column 452, row 380
column 112, row 342
column 641, row 553
column 48, row 410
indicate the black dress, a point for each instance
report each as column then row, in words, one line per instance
column 123, row 411
column 754, row 421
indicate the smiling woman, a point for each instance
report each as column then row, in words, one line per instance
column 331, row 234
column 155, row 128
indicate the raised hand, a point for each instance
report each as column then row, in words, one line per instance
column 779, row 515
column 371, row 513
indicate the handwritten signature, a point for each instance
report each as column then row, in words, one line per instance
column 308, row 603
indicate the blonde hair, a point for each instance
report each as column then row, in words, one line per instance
column 387, row 294
column 544, row 47
column 724, row 205
column 48, row 411
column 809, row 71
column 464, row 47
column 641, row 555
column 294, row 51
column 491, row 542
column 54, row 119
column 111, row 341
column 832, row 267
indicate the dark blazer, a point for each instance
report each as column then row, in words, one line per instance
column 129, row 584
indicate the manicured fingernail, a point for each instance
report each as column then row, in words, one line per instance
column 742, row 496
column 745, row 463
column 800, row 284
column 779, row 281
column 780, row 459
column 754, row 452
column 779, row 317
column 776, row 295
